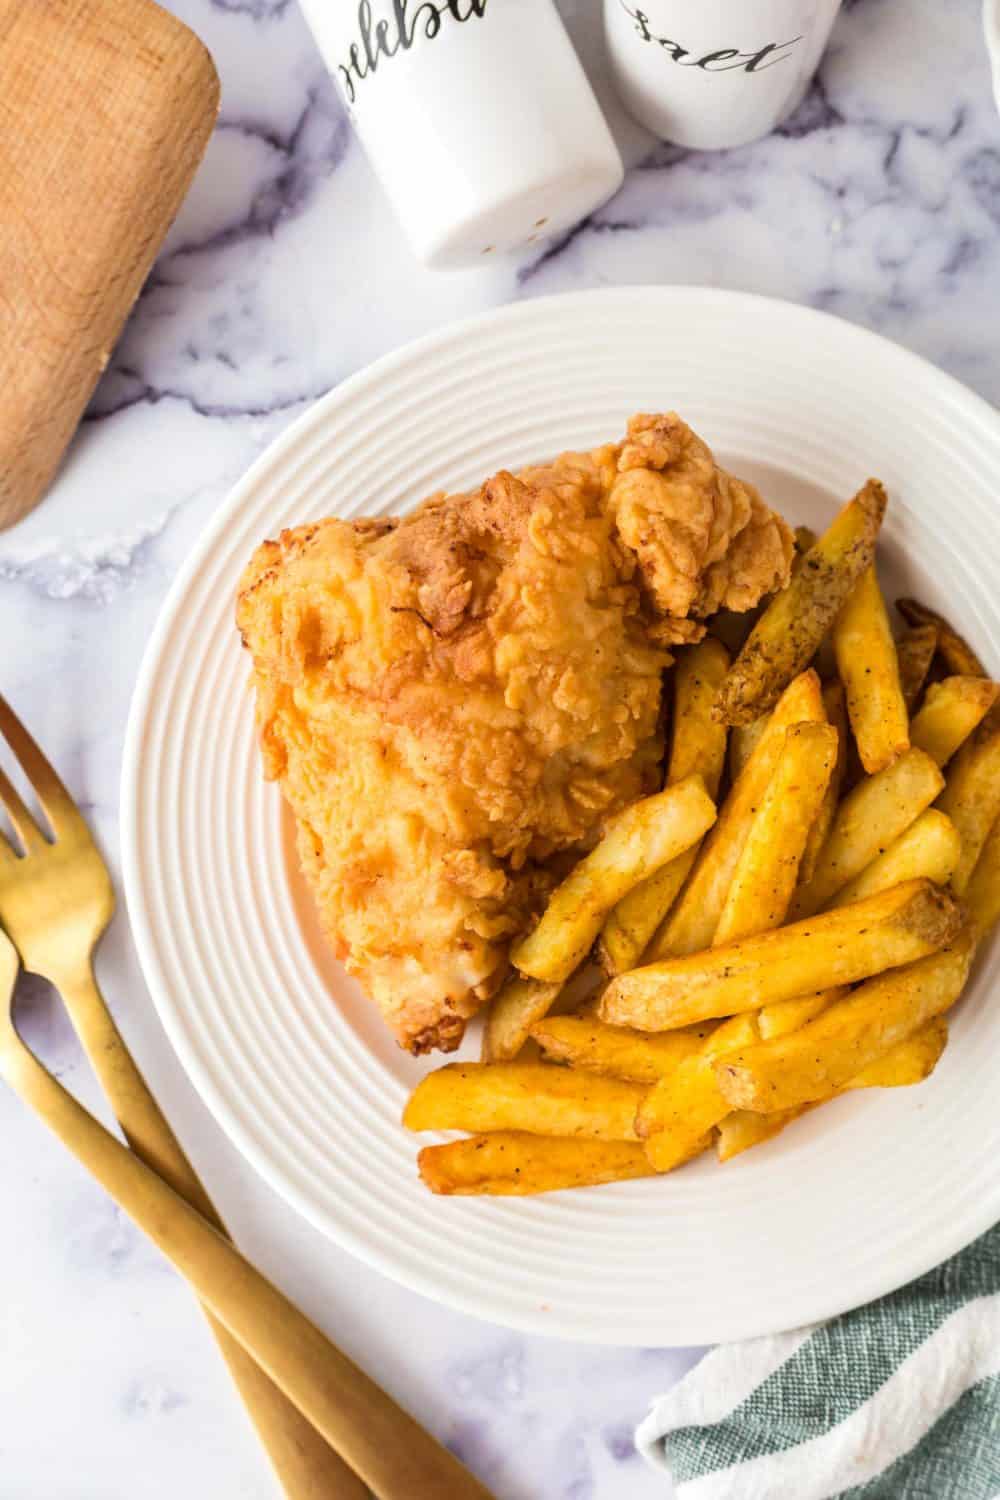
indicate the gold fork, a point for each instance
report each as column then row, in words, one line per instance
column 55, row 902
column 382, row 1443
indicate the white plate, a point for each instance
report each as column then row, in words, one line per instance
column 852, row 1201
column 991, row 27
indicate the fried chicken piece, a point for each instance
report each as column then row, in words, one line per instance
column 450, row 700
column 705, row 540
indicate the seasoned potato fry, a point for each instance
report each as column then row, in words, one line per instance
column 638, row 841
column 677, row 1112
column 524, row 1096
column 787, row 634
column 971, row 797
column 825, row 1055
column 635, row 1055
column 929, row 849
column 958, row 655
column 915, row 651
column 909, row 1062
column 519, row 1004
column 768, row 867
column 627, row 931
column 734, row 629
column 788, row 1015
column 691, row 925
column 982, row 893
column 835, row 704
column 870, row 818
column 839, row 947
column 744, row 1128
column 699, row 747
column 511, row 1163
column 952, row 710
column 869, row 669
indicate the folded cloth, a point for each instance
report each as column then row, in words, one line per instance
column 898, row 1400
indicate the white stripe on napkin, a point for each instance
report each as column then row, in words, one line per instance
column 964, row 1350
column 718, row 1384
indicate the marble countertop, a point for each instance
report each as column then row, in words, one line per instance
column 879, row 200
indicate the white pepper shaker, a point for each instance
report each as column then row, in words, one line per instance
column 476, row 115
column 709, row 74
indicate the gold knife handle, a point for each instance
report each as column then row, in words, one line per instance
column 305, row 1466
column 390, row 1451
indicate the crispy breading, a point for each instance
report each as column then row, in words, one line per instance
column 704, row 540
column 451, row 699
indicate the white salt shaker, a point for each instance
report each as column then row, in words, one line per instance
column 476, row 115
column 715, row 73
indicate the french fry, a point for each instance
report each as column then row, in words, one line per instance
column 768, row 866
column 629, row 927
column 524, row 1096
column 915, row 651
column 825, row 1055
column 758, row 900
column 692, row 923
column 519, row 1004
column 982, row 893
column 952, row 710
column 869, row 669
column 840, row 947
column 788, row 1015
column 868, row 820
column 744, row 1128
column 909, row 1062
column 971, row 797
column 732, row 629
column 512, row 1163
column 635, row 1055
column 638, row 841
column 787, row 634
column 929, row 849
column 958, row 655
column 699, row 747
column 835, row 704
column 678, row 1111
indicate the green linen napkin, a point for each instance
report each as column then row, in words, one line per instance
column 898, row 1400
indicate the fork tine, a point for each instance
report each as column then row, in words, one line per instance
column 28, row 831
column 60, row 809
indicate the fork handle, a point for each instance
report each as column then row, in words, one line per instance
column 391, row 1452
column 305, row 1466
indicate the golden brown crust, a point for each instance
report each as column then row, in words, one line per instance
column 449, row 699
column 704, row 540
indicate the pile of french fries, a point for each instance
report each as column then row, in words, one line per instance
column 761, row 952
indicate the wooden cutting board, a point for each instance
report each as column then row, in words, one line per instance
column 106, row 107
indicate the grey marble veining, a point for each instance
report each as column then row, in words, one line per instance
column 879, row 200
